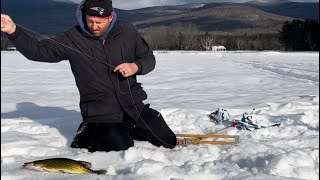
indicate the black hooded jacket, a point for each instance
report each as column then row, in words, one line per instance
column 104, row 94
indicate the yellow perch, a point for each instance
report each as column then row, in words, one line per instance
column 62, row 165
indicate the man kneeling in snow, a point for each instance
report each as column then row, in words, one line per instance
column 105, row 56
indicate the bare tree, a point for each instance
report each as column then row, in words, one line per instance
column 207, row 41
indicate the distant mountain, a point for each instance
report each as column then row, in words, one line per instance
column 51, row 17
column 268, row 2
column 288, row 8
column 222, row 18
column 156, row 11
column 43, row 16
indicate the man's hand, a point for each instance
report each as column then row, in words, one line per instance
column 7, row 25
column 126, row 69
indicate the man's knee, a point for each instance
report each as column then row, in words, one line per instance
column 170, row 141
column 156, row 128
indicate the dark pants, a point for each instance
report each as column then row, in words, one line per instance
column 120, row 136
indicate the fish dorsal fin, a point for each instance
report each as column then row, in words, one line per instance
column 86, row 164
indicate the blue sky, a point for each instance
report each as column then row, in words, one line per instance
column 134, row 4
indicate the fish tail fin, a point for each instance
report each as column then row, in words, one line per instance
column 100, row 172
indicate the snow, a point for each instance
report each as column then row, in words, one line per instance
column 40, row 116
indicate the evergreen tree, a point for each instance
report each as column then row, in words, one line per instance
column 300, row 35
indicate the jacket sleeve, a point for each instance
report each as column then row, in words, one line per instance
column 144, row 57
column 47, row 50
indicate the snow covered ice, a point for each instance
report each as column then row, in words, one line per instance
column 40, row 116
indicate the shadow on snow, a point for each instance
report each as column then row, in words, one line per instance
column 65, row 121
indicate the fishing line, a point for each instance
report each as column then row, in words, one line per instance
column 222, row 129
column 65, row 46
column 107, row 65
column 46, row 37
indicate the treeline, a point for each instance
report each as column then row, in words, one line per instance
column 5, row 43
column 300, row 35
column 296, row 35
column 188, row 37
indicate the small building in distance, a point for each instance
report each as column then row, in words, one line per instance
column 218, row 48
column 11, row 48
